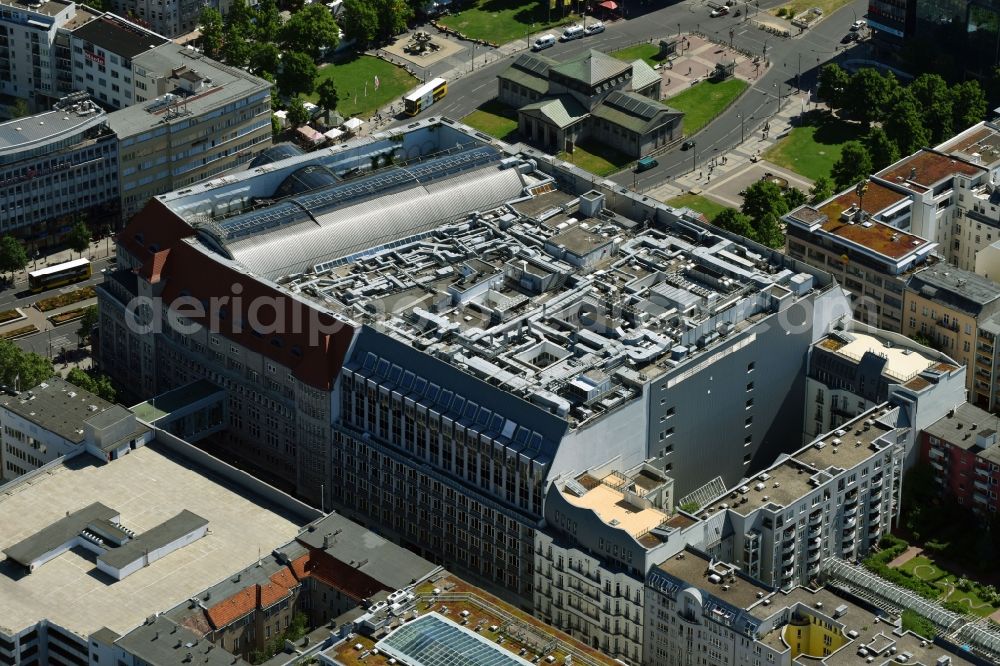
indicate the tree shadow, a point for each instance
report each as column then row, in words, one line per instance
column 831, row 130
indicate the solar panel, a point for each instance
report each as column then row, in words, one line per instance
column 431, row 640
column 532, row 64
column 258, row 221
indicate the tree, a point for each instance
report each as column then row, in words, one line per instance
column 240, row 19
column 265, row 58
column 934, row 101
column 297, row 113
column 762, row 198
column 904, row 125
column 20, row 109
column 13, row 258
column 211, row 31
column 78, row 238
column 328, row 97
column 267, row 22
column 794, row 197
column 867, row 95
column 360, row 20
column 311, row 31
column 833, row 82
column 822, row 190
column 297, row 75
column 276, row 128
column 98, row 384
column 394, row 15
column 881, row 148
column 733, row 220
column 853, row 166
column 768, row 231
column 968, row 104
column 87, row 323
column 236, row 49
column 22, row 370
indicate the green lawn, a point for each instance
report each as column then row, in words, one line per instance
column 648, row 52
column 493, row 118
column 926, row 569
column 351, row 77
column 699, row 203
column 705, row 100
column 502, row 21
column 813, row 148
column 597, row 158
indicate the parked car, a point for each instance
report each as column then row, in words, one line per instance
column 719, row 11
column 687, row 145
column 645, row 163
column 543, row 42
column 858, row 25
column 571, row 33
column 594, row 28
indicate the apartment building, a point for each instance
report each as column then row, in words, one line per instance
column 442, row 412
column 963, row 451
column 871, row 258
column 604, row 529
column 333, row 566
column 833, row 498
column 193, row 119
column 57, row 419
column 947, row 305
column 29, row 50
column 55, row 166
column 703, row 610
column 930, row 205
column 852, row 371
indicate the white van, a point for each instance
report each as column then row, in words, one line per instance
column 572, row 32
column 543, row 42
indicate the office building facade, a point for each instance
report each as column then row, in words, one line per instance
column 55, row 166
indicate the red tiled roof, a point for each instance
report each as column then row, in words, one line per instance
column 271, row 594
column 310, row 342
column 233, row 608
column 284, row 578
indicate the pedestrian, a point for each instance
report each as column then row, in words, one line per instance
column 668, row 80
column 701, row 174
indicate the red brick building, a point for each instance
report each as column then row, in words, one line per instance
column 962, row 450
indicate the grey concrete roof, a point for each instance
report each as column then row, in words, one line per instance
column 55, row 535
column 389, row 564
column 157, row 537
column 110, row 416
column 32, row 132
column 163, row 642
column 117, row 35
column 57, row 406
column 105, row 635
column 147, row 487
column 228, row 84
column 967, row 419
column 957, row 288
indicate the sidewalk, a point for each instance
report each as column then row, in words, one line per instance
column 704, row 176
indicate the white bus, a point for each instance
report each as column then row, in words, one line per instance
column 424, row 96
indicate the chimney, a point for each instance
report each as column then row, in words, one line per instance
column 327, row 540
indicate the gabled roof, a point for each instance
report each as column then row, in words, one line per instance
column 643, row 75
column 592, row 67
column 562, row 110
column 632, row 111
column 531, row 71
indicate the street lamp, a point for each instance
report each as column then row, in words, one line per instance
column 694, row 156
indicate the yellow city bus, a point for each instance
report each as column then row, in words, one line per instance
column 59, row 275
column 424, row 96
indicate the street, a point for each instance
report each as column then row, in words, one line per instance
column 808, row 52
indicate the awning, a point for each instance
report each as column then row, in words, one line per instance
column 610, row 5
column 353, row 124
column 309, row 134
column 334, row 134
